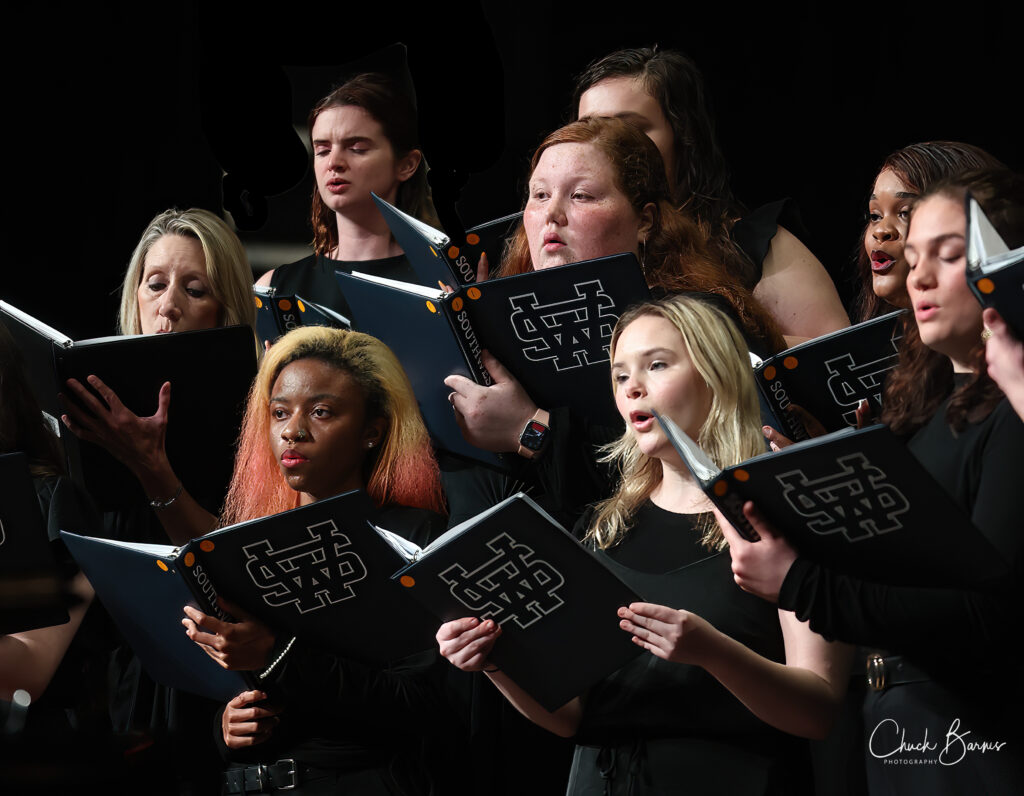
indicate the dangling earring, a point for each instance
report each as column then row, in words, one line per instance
column 370, row 444
column 643, row 254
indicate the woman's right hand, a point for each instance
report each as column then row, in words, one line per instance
column 138, row 442
column 246, row 724
column 467, row 642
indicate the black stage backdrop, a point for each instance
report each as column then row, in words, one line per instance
column 117, row 111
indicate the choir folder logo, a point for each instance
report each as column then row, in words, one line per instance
column 574, row 332
column 857, row 500
column 510, row 586
column 312, row 574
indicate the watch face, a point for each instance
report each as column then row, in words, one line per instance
column 533, row 435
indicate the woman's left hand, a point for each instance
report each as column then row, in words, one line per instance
column 758, row 567
column 491, row 418
column 673, row 635
column 136, row 441
column 244, row 644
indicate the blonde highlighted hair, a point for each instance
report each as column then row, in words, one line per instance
column 401, row 470
column 227, row 267
column 731, row 433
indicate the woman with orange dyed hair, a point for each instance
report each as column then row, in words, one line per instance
column 395, row 464
column 329, row 411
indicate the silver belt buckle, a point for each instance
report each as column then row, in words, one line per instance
column 876, row 672
column 294, row 774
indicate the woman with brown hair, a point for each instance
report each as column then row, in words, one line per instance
column 904, row 175
column 364, row 139
column 662, row 93
column 951, row 666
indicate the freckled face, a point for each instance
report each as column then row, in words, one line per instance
column 948, row 316
column 652, row 370
column 174, row 294
column 319, row 431
column 886, row 233
column 627, row 99
column 575, row 211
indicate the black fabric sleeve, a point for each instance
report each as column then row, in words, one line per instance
column 933, row 624
column 563, row 480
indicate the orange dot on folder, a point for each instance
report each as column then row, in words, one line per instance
column 720, row 488
column 789, row 363
column 259, row 304
column 769, row 372
column 453, row 251
column 408, row 581
column 472, row 239
column 741, row 475
column 206, row 546
column 190, row 558
column 431, row 307
column 986, row 285
column 284, row 304
column 301, row 306
column 161, row 564
column 473, row 293
column 456, row 304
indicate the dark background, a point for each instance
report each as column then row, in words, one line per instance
column 116, row 112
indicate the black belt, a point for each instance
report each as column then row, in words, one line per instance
column 892, row 670
column 282, row 775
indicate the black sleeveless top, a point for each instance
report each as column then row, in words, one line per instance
column 313, row 278
column 654, row 720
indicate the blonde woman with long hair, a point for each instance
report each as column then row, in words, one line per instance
column 725, row 672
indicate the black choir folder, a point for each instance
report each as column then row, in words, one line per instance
column 201, row 365
column 829, row 375
column 995, row 273
column 325, row 574
column 279, row 313
column 320, row 572
column 435, row 257
column 856, row 501
column 551, row 329
column 555, row 600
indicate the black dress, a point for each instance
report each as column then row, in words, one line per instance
column 313, row 277
column 963, row 642
column 655, row 726
column 754, row 233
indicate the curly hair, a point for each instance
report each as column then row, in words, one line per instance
column 676, row 256
column 401, row 470
column 395, row 110
column 917, row 166
column 731, row 433
column 923, row 379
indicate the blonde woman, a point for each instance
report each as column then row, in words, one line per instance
column 725, row 673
